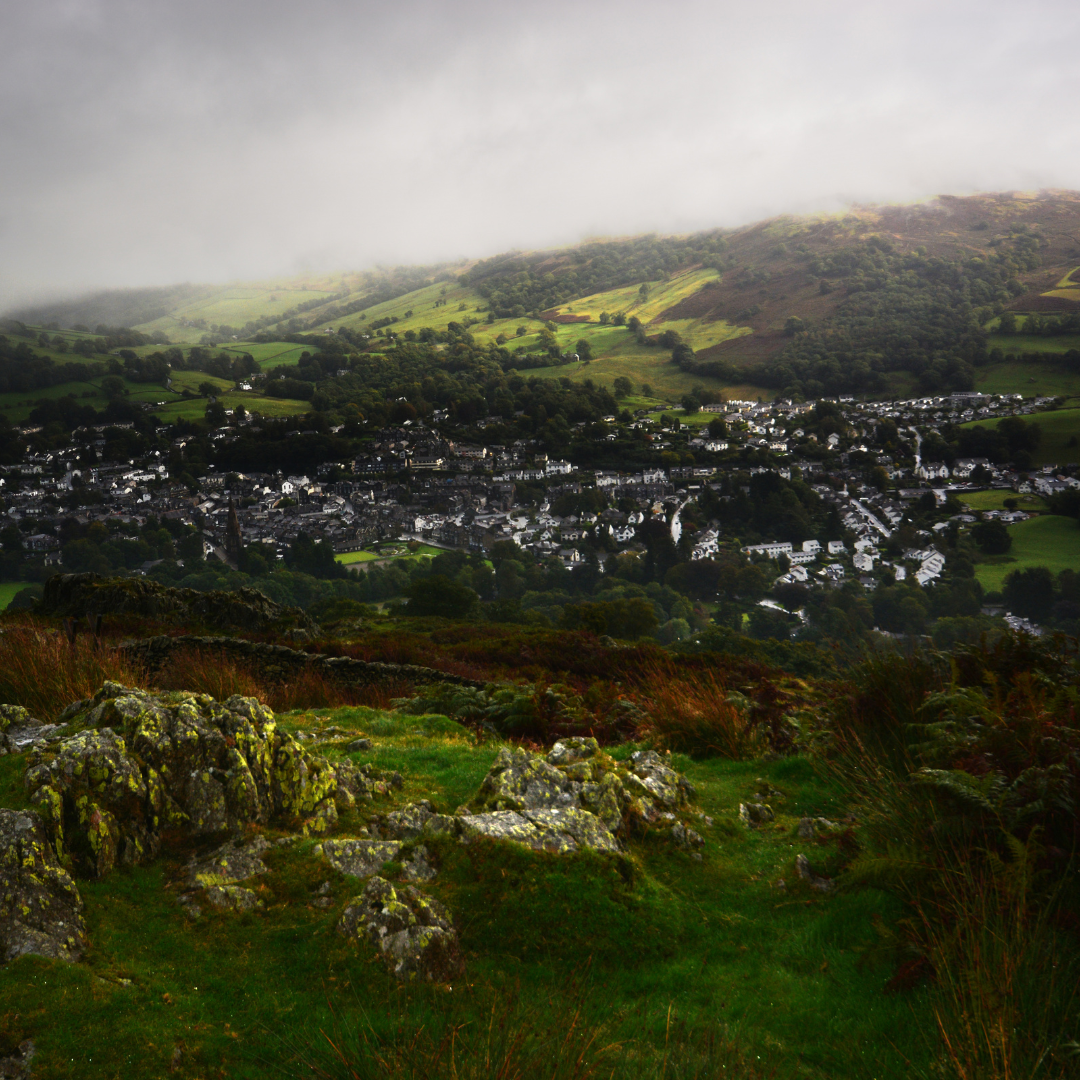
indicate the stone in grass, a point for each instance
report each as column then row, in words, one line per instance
column 577, row 774
column 802, row 868
column 233, row 898
column 235, row 860
column 754, row 814
column 686, row 838
column 809, row 828
column 40, row 907
column 17, row 1066
column 413, row 933
column 214, row 878
column 359, row 858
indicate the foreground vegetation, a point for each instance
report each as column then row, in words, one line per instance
column 945, row 948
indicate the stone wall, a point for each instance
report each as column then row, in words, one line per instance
column 281, row 662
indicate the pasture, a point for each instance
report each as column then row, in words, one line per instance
column 1049, row 540
column 1060, row 443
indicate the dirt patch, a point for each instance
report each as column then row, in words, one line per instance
column 553, row 317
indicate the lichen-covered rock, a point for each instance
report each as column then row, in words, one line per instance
column 754, row 814
column 360, row 858
column 405, row 824
column 234, row 861
column 19, row 730
column 144, row 764
column 686, row 838
column 576, row 775
column 213, row 878
column 40, row 908
column 557, row 830
column 233, row 898
column 419, row 865
column 413, row 933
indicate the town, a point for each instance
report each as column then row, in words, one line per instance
column 868, row 464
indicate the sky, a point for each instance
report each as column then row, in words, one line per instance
column 147, row 142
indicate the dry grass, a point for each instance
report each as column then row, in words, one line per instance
column 697, row 716
column 41, row 671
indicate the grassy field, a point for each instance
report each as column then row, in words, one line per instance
column 995, row 500
column 1060, row 443
column 8, row 589
column 1049, row 540
column 236, row 305
column 1029, row 379
column 674, row 967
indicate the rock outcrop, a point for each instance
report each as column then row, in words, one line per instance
column 140, row 765
column 576, row 796
column 241, row 609
column 215, row 878
column 40, row 908
column 413, row 933
column 19, row 731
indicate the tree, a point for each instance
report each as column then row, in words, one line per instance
column 793, row 325
column 439, row 596
column 623, row 387
column 992, row 537
column 1029, row 593
column 690, row 403
column 583, row 349
column 521, row 331
column 605, row 318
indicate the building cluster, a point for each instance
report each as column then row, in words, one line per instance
column 415, row 482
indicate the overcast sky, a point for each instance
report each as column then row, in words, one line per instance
column 153, row 141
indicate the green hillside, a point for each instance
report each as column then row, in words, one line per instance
column 877, row 301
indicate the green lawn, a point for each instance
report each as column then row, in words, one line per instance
column 1048, row 540
column 665, row 952
column 995, row 500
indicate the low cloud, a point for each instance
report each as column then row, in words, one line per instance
column 147, row 143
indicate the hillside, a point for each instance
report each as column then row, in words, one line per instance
column 878, row 300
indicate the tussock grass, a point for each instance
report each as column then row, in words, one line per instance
column 41, row 671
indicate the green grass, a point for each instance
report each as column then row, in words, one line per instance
column 1049, row 540
column 235, row 305
column 348, row 557
column 1060, row 443
column 1029, row 379
column 661, row 950
column 995, row 500
column 8, row 589
column 1029, row 343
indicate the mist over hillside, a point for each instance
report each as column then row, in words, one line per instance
column 874, row 300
